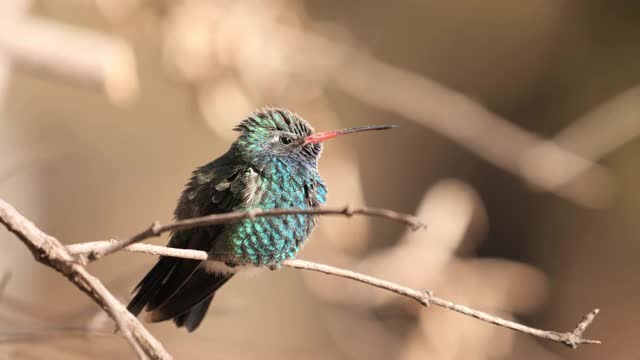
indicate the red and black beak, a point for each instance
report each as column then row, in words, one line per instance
column 322, row 136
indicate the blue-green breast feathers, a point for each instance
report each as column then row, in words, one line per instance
column 268, row 240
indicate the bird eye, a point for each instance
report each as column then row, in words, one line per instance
column 285, row 140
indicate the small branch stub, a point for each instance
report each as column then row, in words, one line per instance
column 348, row 211
column 575, row 338
column 156, row 228
column 426, row 298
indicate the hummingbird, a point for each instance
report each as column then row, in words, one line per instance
column 272, row 164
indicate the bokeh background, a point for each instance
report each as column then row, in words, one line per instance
column 515, row 146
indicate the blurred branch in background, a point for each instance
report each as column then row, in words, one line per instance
column 455, row 116
column 203, row 38
column 69, row 53
column 10, row 11
column 4, row 281
column 46, row 334
column 471, row 125
column 604, row 129
column 237, row 54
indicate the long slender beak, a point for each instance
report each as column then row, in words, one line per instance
column 322, row 136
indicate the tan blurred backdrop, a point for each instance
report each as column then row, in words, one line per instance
column 103, row 149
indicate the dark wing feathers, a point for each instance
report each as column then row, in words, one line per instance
column 192, row 318
column 200, row 286
column 182, row 268
column 180, row 288
column 150, row 283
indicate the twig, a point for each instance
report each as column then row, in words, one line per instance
column 424, row 297
column 156, row 229
column 49, row 251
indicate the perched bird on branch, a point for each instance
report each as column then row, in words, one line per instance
column 272, row 164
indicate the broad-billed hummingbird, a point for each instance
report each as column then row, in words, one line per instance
column 272, row 164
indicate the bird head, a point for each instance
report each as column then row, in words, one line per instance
column 278, row 133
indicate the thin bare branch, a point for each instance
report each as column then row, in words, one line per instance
column 426, row 298
column 49, row 251
column 572, row 338
column 156, row 229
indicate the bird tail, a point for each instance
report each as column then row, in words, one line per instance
column 177, row 289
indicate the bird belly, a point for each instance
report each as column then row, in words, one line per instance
column 269, row 240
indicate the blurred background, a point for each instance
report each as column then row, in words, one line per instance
column 515, row 147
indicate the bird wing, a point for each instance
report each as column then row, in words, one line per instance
column 218, row 187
